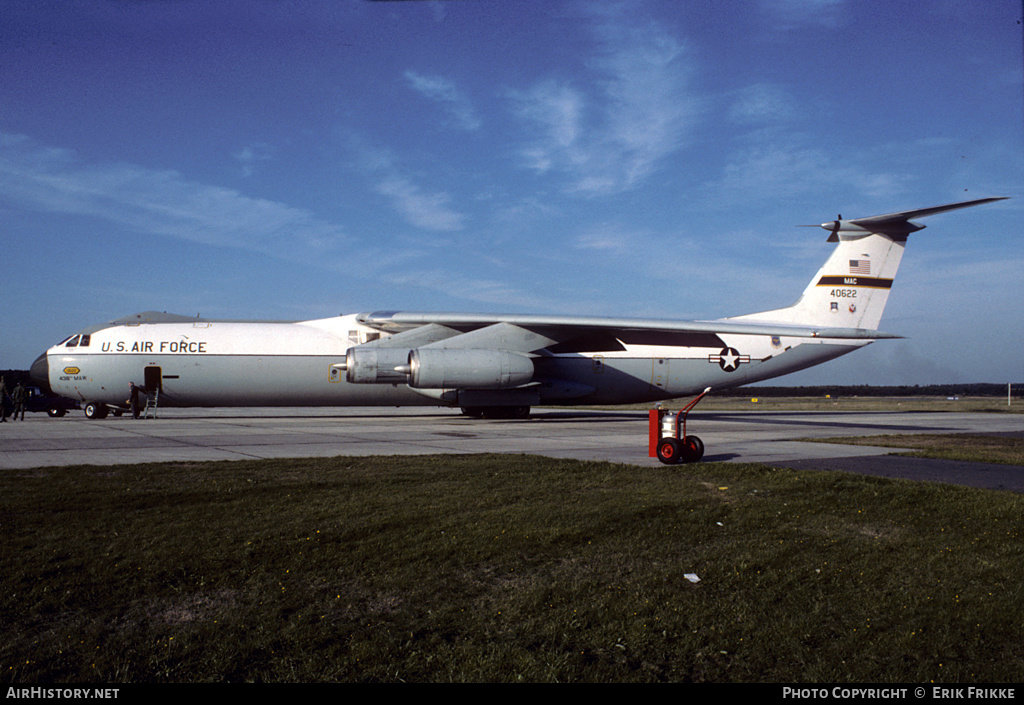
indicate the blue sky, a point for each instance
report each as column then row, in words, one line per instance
column 293, row 160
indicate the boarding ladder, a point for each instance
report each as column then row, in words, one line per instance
column 152, row 400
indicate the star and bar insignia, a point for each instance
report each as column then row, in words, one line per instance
column 729, row 359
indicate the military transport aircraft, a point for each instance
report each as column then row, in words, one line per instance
column 488, row 365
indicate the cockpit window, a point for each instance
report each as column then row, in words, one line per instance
column 85, row 341
column 73, row 343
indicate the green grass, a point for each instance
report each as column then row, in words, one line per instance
column 503, row 568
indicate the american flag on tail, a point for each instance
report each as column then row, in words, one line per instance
column 860, row 266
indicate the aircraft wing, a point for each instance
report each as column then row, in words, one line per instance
column 527, row 332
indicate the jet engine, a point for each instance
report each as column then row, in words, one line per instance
column 445, row 368
column 375, row 365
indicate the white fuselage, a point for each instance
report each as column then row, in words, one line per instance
column 487, row 362
column 220, row 363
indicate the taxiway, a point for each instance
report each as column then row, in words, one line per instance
column 617, row 436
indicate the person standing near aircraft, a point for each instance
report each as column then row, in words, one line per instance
column 3, row 400
column 133, row 399
column 20, row 398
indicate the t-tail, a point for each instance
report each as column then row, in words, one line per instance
column 852, row 288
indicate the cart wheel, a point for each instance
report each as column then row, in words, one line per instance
column 668, row 451
column 693, row 449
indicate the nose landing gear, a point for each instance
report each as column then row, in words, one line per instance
column 669, row 441
column 95, row 410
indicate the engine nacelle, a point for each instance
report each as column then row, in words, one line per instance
column 445, row 368
column 375, row 365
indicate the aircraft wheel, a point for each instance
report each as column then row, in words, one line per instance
column 496, row 412
column 95, row 410
column 692, row 450
column 668, row 451
column 505, row 412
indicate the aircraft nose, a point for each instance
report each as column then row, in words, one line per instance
column 40, row 373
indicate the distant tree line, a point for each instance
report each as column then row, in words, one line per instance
column 13, row 377
column 975, row 389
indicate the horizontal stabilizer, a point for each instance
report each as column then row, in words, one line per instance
column 895, row 224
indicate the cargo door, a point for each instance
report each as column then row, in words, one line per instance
column 153, row 379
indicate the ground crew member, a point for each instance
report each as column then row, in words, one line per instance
column 20, row 398
column 3, row 400
column 133, row 399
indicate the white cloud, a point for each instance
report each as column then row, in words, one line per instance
column 762, row 103
column 250, row 155
column 492, row 292
column 608, row 135
column 788, row 167
column 790, row 14
column 425, row 210
column 557, row 110
column 157, row 202
column 443, row 91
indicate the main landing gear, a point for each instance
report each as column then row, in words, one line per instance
column 669, row 441
column 94, row 410
column 496, row 412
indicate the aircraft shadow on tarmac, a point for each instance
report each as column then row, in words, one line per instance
column 588, row 415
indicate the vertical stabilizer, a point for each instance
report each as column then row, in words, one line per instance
column 852, row 288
